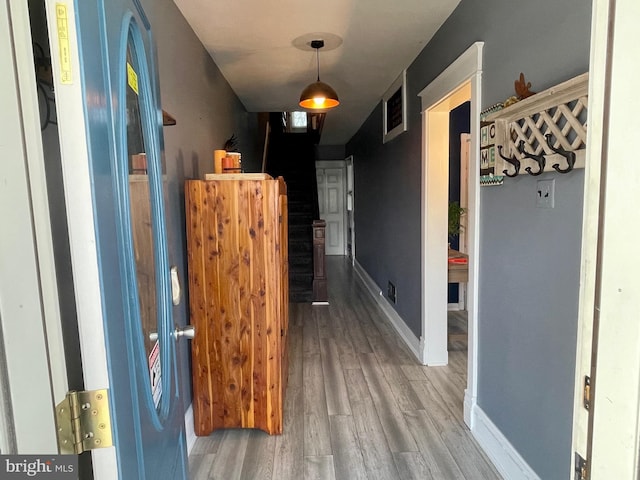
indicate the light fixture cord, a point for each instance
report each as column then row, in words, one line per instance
column 318, row 62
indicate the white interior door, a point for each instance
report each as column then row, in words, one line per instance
column 331, row 200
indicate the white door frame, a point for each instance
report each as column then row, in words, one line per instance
column 29, row 310
column 351, row 221
column 438, row 98
column 465, row 153
column 609, row 278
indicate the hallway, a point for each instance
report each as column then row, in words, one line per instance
column 358, row 405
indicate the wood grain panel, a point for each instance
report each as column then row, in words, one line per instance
column 347, row 457
column 202, row 369
column 438, row 457
column 393, row 423
column 246, row 316
column 373, row 442
column 238, row 300
column 227, row 327
column 334, row 385
column 317, row 439
column 319, row 468
column 258, row 462
column 143, row 249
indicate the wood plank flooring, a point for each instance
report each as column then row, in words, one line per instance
column 358, row 405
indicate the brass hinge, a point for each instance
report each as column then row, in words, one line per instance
column 581, row 468
column 83, row 421
column 586, row 395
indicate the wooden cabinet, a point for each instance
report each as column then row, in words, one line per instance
column 238, row 298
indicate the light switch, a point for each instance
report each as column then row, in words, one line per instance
column 545, row 193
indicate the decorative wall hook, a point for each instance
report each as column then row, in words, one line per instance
column 570, row 156
column 540, row 160
column 513, row 161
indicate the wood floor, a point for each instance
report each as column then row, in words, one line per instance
column 358, row 405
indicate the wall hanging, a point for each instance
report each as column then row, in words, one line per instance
column 544, row 132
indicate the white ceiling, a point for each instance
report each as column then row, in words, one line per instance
column 251, row 41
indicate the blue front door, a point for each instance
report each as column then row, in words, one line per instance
column 125, row 145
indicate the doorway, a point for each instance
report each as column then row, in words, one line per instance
column 351, row 220
column 459, row 83
column 459, row 138
column 331, row 202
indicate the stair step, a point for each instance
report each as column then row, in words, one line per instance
column 301, row 223
column 299, row 205
column 301, row 268
column 301, row 297
column 300, row 260
column 297, row 246
column 301, row 278
column 300, row 231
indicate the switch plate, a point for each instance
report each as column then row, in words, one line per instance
column 545, row 193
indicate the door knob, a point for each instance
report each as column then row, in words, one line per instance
column 188, row 331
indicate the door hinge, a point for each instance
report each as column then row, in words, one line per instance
column 586, row 395
column 581, row 468
column 83, row 421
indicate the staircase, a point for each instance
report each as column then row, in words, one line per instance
column 292, row 156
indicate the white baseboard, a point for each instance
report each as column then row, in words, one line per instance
column 454, row 307
column 414, row 343
column 189, row 429
column 504, row 456
column 469, row 404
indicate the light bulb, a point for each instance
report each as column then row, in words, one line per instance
column 319, row 101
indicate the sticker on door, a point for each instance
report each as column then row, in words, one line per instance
column 155, row 373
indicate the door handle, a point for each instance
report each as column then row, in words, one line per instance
column 188, row 331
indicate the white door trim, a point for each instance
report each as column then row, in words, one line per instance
column 465, row 72
column 351, row 223
column 30, row 316
column 609, row 272
column 599, row 26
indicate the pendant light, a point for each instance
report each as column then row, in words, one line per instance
column 318, row 95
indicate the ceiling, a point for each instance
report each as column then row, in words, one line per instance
column 252, row 42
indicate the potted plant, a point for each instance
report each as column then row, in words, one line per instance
column 455, row 213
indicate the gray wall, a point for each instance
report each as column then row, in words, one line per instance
column 330, row 152
column 207, row 112
column 529, row 258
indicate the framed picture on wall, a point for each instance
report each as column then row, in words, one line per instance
column 394, row 109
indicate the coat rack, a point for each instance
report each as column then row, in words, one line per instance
column 545, row 132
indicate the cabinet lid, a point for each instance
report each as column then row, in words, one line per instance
column 238, row 176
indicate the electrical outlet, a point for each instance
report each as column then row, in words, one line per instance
column 391, row 292
column 545, row 193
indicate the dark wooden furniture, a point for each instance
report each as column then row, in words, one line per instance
column 320, row 292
